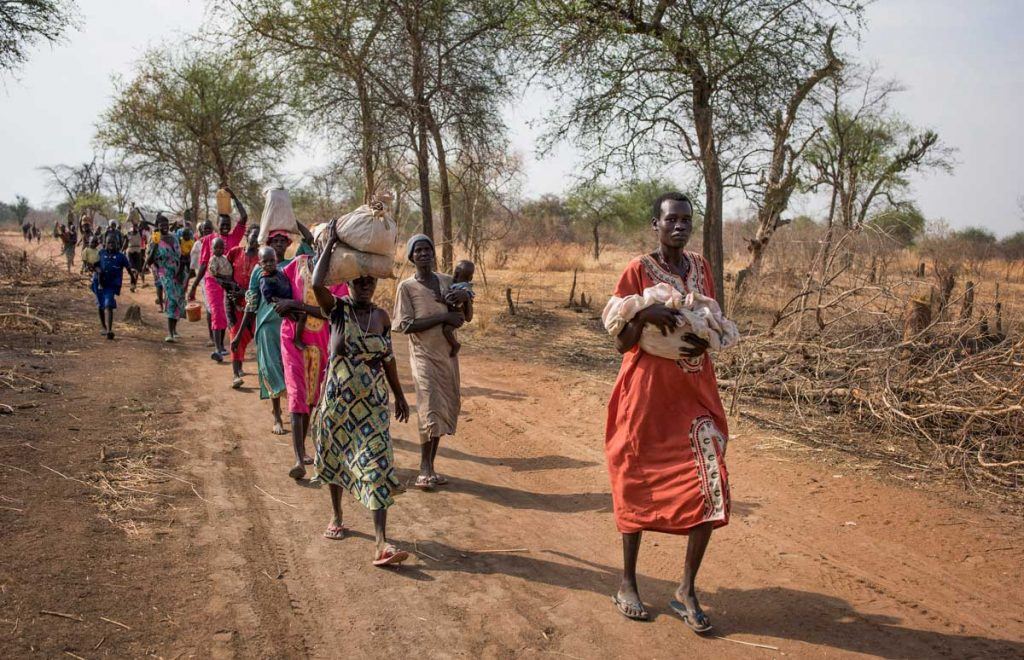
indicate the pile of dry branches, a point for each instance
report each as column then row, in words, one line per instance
column 861, row 361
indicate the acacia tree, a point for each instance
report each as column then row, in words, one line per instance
column 396, row 80
column 782, row 174
column 187, row 118
column 21, row 209
column 864, row 152
column 447, row 75
column 23, row 23
column 596, row 205
column 681, row 80
column 120, row 182
column 74, row 181
column 325, row 49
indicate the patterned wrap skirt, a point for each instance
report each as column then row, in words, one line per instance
column 351, row 424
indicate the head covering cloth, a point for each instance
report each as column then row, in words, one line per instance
column 413, row 240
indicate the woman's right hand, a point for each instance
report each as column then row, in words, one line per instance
column 660, row 316
column 455, row 319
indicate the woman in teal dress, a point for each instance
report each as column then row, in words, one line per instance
column 267, row 330
column 165, row 254
column 351, row 424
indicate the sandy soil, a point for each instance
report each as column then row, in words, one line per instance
column 221, row 554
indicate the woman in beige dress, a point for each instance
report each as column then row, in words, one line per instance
column 421, row 313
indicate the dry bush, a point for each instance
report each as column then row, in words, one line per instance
column 839, row 355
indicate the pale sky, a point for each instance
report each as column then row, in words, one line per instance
column 962, row 63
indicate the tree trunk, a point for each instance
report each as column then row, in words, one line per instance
column 420, row 116
column 597, row 241
column 967, row 306
column 447, row 255
column 367, row 142
column 713, row 187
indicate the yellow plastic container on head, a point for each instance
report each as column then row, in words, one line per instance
column 223, row 202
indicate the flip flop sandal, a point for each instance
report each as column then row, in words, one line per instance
column 697, row 621
column 307, row 460
column 424, row 483
column 335, row 533
column 170, row 339
column 297, row 472
column 390, row 556
column 438, row 480
column 622, row 605
column 216, row 357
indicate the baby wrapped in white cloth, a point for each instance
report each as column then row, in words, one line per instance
column 698, row 314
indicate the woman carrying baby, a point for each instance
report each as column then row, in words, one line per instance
column 666, row 428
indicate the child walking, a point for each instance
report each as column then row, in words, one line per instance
column 108, row 271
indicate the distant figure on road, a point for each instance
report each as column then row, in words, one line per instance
column 69, row 241
column 666, row 430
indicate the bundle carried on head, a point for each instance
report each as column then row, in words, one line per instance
column 698, row 315
column 277, row 214
column 368, row 236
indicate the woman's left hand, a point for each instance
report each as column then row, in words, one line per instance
column 402, row 410
column 698, row 348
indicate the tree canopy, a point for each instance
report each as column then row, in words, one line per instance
column 24, row 23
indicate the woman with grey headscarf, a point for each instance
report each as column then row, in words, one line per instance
column 421, row 313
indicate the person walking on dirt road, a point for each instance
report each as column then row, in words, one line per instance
column 243, row 259
column 305, row 367
column 421, row 314
column 108, row 272
column 165, row 255
column 351, row 424
column 215, row 301
column 262, row 317
column 69, row 241
column 666, row 430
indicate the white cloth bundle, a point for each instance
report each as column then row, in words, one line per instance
column 369, row 229
column 348, row 264
column 277, row 214
column 699, row 315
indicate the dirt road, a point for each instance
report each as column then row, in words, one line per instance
column 518, row 556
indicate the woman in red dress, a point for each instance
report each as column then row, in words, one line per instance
column 666, row 432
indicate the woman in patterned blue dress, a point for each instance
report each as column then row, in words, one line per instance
column 165, row 254
column 351, row 424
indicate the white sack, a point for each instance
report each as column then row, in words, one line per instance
column 277, row 214
column 369, row 229
column 348, row 264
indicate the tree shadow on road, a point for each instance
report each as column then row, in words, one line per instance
column 829, row 621
column 489, row 393
column 514, row 463
column 523, row 499
column 769, row 612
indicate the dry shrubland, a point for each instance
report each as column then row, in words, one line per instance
column 914, row 355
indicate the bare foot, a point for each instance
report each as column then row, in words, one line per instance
column 298, row 471
column 278, row 428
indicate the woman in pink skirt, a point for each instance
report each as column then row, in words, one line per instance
column 305, row 368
